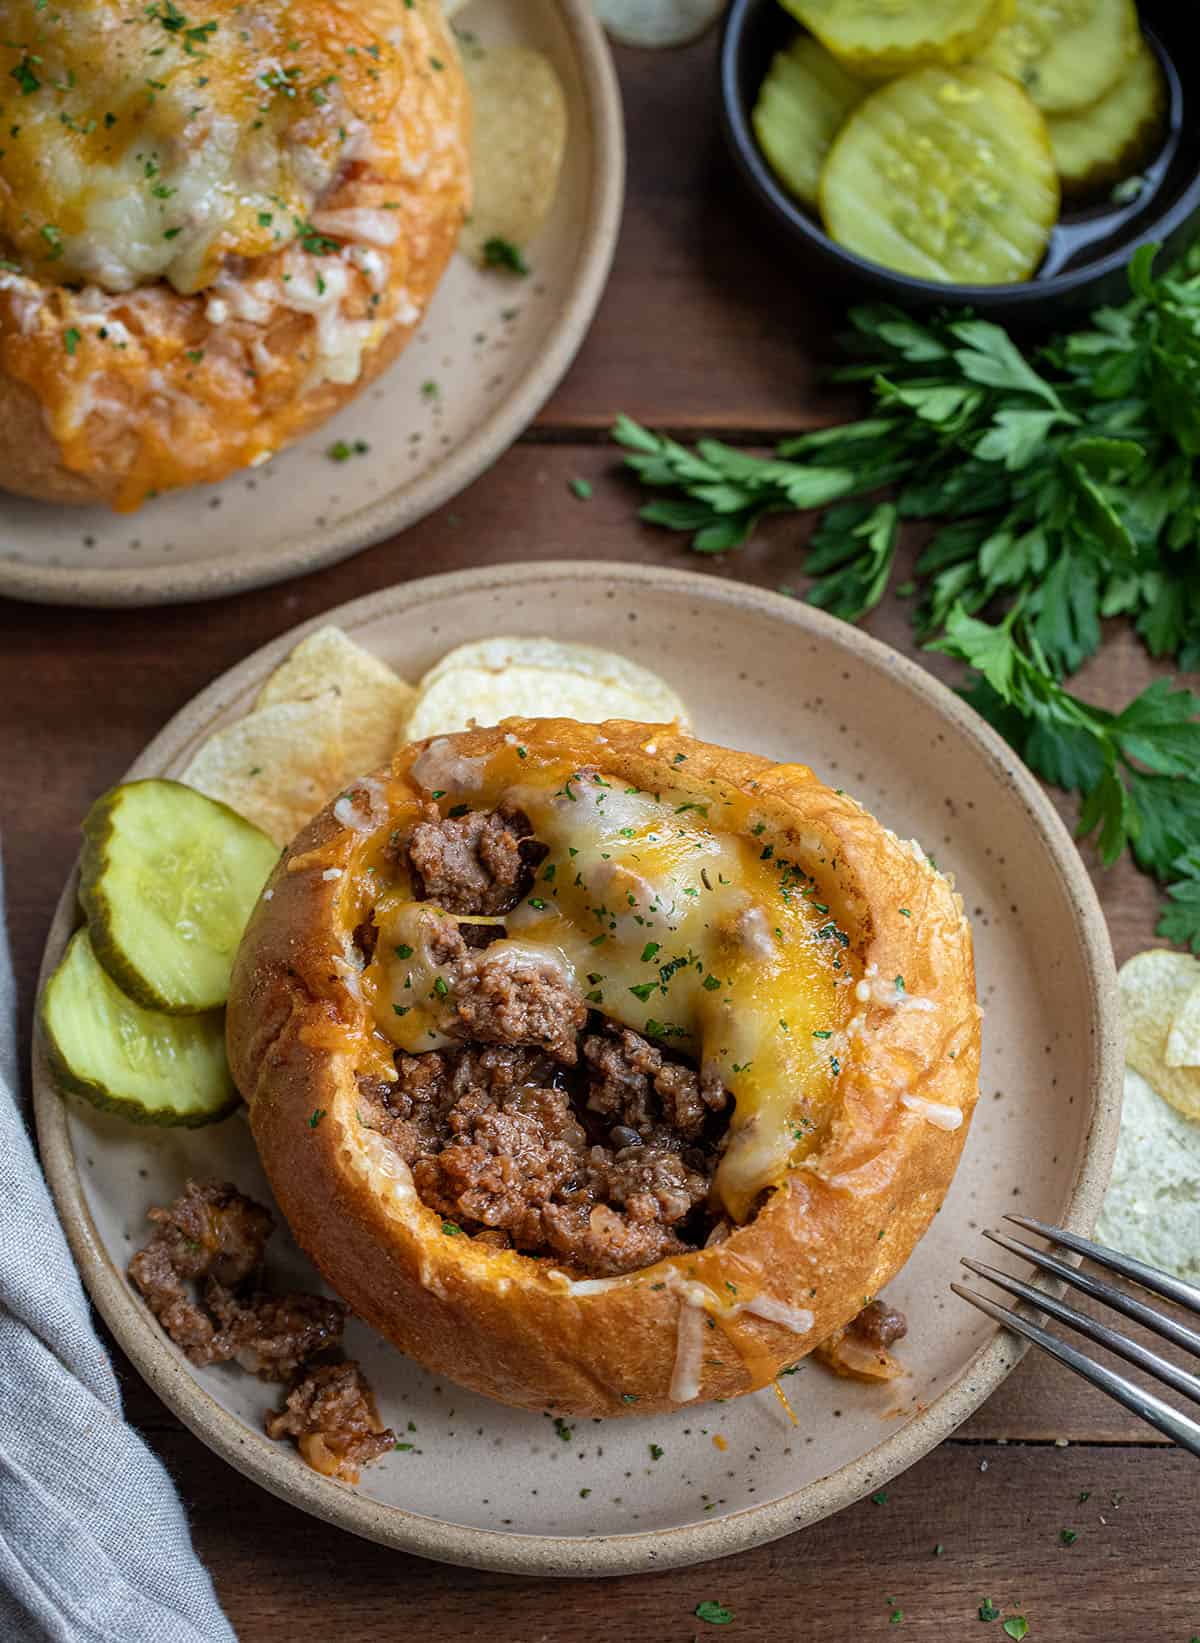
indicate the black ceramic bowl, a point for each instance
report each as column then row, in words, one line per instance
column 1089, row 248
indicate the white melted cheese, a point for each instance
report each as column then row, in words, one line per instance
column 670, row 924
column 938, row 1113
column 697, row 1304
column 149, row 143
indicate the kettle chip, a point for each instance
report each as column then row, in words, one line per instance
column 520, row 137
column 1157, row 988
column 495, row 679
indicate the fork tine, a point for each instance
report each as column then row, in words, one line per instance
column 1150, row 1277
column 1153, row 1410
column 1109, row 1294
column 1132, row 1351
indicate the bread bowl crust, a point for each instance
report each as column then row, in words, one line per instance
column 514, row 1327
column 191, row 399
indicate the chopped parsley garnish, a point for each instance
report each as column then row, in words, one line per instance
column 318, row 1114
column 1016, row 1626
column 317, row 245
column 404, row 950
column 23, row 74
column 656, row 1451
column 644, row 989
column 1068, row 1536
column 450, row 1229
column 988, row 1610
column 649, row 950
column 342, row 450
column 582, row 489
column 401, row 1009
column 71, row 339
column 502, row 253
column 715, row 1613
column 441, row 986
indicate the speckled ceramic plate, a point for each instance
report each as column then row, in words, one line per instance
column 496, row 1487
column 490, row 352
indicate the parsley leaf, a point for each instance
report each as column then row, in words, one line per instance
column 1062, row 490
column 715, row 1613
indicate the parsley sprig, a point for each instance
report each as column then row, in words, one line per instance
column 1061, row 489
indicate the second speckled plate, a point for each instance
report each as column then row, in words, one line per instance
column 491, row 351
column 503, row 1489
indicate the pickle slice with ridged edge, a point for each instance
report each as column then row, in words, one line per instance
column 946, row 175
column 801, row 106
column 878, row 38
column 168, row 879
column 145, row 1066
column 1066, row 53
column 1115, row 137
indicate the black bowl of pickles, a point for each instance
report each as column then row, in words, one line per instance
column 1007, row 154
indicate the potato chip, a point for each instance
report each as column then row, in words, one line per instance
column 494, row 679
column 520, row 135
column 1152, row 1207
column 278, row 766
column 1183, row 1040
column 1154, row 986
column 662, row 705
column 657, row 22
column 375, row 701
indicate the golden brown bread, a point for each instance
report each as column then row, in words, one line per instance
column 523, row 1330
column 113, row 396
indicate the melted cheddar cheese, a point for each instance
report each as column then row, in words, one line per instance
column 673, row 917
column 153, row 141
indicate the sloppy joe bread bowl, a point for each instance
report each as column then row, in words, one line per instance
column 214, row 230
column 816, row 979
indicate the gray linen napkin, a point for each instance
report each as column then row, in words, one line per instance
column 94, row 1544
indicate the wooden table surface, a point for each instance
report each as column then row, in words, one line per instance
column 703, row 326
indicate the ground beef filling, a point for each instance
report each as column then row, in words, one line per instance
column 479, row 863
column 330, row 1411
column 548, row 1130
column 200, row 1274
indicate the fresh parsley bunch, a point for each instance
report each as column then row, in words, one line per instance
column 1062, row 491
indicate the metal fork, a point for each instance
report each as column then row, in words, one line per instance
column 1180, row 1428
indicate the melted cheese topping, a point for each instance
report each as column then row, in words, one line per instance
column 154, row 141
column 674, row 917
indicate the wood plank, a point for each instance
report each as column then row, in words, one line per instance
column 152, row 662
column 707, row 320
column 998, row 1516
column 93, row 688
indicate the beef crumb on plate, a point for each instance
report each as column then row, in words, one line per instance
column 200, row 1275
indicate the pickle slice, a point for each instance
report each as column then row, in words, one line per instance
column 168, row 879
column 1115, row 137
column 1066, row 53
column 146, row 1066
column 801, row 107
column 946, row 175
column 878, row 38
